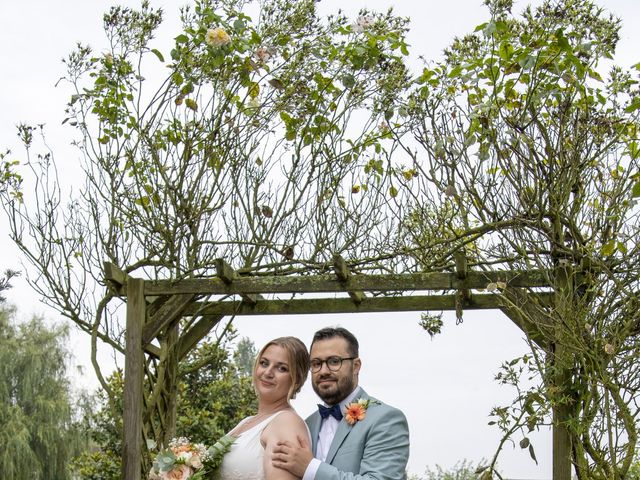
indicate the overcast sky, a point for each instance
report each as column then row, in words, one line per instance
column 444, row 385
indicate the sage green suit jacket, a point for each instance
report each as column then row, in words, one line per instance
column 375, row 448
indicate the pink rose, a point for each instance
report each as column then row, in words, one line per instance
column 180, row 472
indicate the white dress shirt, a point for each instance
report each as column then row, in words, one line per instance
column 328, row 429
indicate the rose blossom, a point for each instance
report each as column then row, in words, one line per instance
column 179, row 472
column 263, row 54
column 217, row 37
column 362, row 23
column 194, row 461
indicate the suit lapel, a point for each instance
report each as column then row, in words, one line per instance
column 341, row 434
column 314, row 428
column 344, row 429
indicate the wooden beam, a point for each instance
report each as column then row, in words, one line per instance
column 343, row 274
column 152, row 350
column 227, row 274
column 346, row 305
column 133, row 382
column 114, row 277
column 329, row 283
column 165, row 315
column 154, row 304
column 189, row 339
column 528, row 313
column 170, row 390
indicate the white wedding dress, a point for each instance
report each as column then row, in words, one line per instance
column 244, row 460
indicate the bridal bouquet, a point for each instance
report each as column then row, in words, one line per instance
column 184, row 460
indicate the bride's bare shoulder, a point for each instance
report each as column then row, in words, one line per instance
column 286, row 426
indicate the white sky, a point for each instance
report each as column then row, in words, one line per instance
column 445, row 385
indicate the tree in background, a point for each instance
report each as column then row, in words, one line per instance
column 5, row 282
column 214, row 395
column 244, row 356
column 528, row 158
column 38, row 431
column 245, row 141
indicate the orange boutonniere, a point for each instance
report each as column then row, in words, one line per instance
column 356, row 411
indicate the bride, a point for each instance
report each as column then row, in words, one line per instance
column 280, row 371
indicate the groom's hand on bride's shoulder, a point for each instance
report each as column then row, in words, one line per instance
column 291, row 456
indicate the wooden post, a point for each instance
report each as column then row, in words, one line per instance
column 133, row 381
column 562, row 365
column 561, row 439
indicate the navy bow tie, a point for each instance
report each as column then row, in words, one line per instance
column 334, row 411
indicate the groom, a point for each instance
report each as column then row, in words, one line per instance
column 353, row 436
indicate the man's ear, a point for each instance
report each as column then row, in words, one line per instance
column 357, row 363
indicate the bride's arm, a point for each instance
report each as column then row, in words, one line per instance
column 286, row 427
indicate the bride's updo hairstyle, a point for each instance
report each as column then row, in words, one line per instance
column 298, row 358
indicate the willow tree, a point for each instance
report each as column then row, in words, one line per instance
column 527, row 157
column 38, row 433
column 236, row 143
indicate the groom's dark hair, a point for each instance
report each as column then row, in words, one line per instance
column 332, row 332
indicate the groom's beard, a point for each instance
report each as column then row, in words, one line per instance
column 336, row 390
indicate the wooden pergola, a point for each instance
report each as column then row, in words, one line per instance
column 155, row 345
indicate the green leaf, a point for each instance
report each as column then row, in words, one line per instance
column 505, row 51
column 143, row 201
column 608, row 248
column 622, row 248
column 488, row 28
column 635, row 193
column 191, row 103
column 348, row 81
column 595, row 75
column 633, row 106
column 393, row 191
column 238, row 25
column 286, row 118
column 177, row 78
column 455, row 72
column 157, row 53
column 563, row 43
column 276, row 83
column 254, row 89
column 533, row 454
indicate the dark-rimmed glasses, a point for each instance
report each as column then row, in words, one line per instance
column 333, row 363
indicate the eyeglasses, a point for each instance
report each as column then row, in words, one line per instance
column 333, row 363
